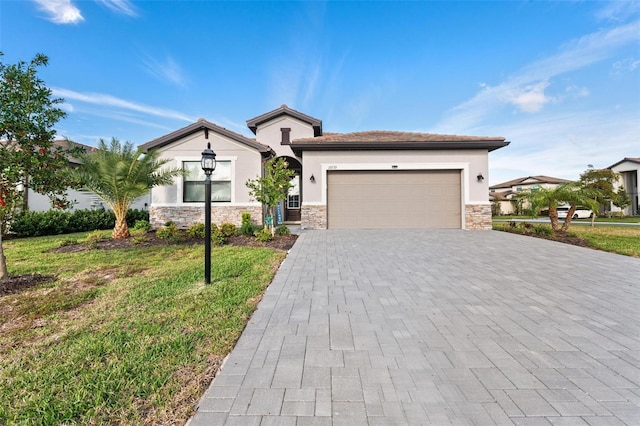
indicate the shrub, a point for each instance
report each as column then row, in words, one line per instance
column 542, row 230
column 264, row 235
column 228, row 229
column 196, row 231
column 134, row 215
column 217, row 237
column 170, row 232
column 283, row 230
column 143, row 225
column 138, row 235
column 93, row 239
column 68, row 242
column 247, row 228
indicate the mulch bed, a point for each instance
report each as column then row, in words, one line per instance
column 17, row 283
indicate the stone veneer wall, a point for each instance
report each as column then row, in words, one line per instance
column 478, row 217
column 313, row 217
column 185, row 216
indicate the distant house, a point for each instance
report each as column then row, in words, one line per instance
column 629, row 170
column 81, row 199
column 503, row 195
column 372, row 179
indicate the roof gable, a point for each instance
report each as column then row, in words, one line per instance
column 530, row 180
column 253, row 123
column 629, row 159
column 198, row 126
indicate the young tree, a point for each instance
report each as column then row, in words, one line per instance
column 273, row 187
column 573, row 194
column 119, row 174
column 28, row 156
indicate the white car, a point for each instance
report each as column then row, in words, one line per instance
column 580, row 213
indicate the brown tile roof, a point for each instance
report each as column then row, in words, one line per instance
column 200, row 125
column 390, row 140
column 536, row 179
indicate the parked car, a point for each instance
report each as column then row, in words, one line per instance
column 580, row 213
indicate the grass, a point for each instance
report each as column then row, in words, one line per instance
column 122, row 336
column 614, row 239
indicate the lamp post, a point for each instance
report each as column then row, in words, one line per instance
column 208, row 164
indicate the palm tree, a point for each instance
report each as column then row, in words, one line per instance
column 572, row 193
column 118, row 174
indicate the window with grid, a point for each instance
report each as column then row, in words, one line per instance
column 193, row 188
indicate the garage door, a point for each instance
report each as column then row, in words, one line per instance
column 393, row 199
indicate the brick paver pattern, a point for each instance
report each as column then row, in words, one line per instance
column 437, row 327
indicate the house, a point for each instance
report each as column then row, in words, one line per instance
column 503, row 195
column 372, row 179
column 629, row 170
column 80, row 198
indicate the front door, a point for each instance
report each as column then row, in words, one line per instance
column 292, row 202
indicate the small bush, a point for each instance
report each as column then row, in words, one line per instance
column 218, row 238
column 542, row 230
column 93, row 239
column 68, row 242
column 170, row 232
column 228, row 229
column 196, row 230
column 264, row 235
column 134, row 215
column 138, row 236
column 283, row 230
column 143, row 225
column 247, row 228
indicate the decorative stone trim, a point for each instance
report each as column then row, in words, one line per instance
column 313, row 216
column 185, row 216
column 478, row 217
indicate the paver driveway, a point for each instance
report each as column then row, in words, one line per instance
column 437, row 327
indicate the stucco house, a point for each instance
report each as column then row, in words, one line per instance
column 629, row 170
column 373, row 179
column 504, row 194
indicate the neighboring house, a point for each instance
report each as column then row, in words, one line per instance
column 629, row 170
column 81, row 199
column 504, row 194
column 374, row 179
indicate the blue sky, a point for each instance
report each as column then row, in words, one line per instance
column 560, row 80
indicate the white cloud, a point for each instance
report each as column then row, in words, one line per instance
column 522, row 88
column 625, row 65
column 112, row 101
column 529, row 98
column 119, row 6
column 60, row 11
column 168, row 70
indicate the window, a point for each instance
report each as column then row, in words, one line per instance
column 293, row 197
column 193, row 189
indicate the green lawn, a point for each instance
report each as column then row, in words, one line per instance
column 615, row 239
column 127, row 336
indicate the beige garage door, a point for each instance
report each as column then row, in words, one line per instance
column 393, row 199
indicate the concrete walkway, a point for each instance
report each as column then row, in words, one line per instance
column 437, row 327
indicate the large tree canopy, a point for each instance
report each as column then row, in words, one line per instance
column 118, row 174
column 28, row 156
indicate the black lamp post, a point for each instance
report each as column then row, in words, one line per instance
column 208, row 164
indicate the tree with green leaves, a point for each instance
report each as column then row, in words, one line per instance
column 273, row 187
column 29, row 158
column 574, row 194
column 118, row 174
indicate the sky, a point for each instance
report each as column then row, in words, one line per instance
column 559, row 80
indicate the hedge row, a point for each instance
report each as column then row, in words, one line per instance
column 55, row 222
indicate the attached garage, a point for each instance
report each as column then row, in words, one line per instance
column 387, row 199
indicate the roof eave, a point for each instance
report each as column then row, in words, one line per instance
column 299, row 147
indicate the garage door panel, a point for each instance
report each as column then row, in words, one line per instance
column 394, row 199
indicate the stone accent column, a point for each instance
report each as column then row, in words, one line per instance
column 313, row 216
column 478, row 217
column 185, row 216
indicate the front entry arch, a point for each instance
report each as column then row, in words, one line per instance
column 291, row 208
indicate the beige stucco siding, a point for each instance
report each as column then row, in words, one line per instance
column 270, row 133
column 245, row 164
column 469, row 162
